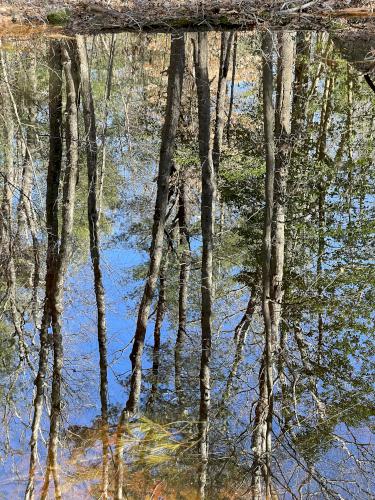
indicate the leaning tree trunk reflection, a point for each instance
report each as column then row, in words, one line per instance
column 93, row 222
column 207, row 224
column 172, row 113
column 70, row 180
column 240, row 335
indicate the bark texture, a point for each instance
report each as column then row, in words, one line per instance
column 207, row 226
column 52, row 227
column 93, row 222
column 70, row 180
column 283, row 153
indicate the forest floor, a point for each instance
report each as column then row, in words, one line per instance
column 75, row 16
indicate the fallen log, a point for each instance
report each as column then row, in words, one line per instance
column 101, row 16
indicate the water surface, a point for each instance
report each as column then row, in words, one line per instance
column 323, row 362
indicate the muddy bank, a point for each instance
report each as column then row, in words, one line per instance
column 72, row 16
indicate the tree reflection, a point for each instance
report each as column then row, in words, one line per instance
column 212, row 194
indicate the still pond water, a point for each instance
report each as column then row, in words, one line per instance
column 323, row 406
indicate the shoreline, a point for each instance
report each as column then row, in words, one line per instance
column 71, row 17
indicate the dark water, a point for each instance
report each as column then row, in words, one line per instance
column 323, row 407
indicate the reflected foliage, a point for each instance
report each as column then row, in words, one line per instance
column 323, row 365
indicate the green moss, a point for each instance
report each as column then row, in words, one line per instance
column 183, row 22
column 58, row 17
column 223, row 20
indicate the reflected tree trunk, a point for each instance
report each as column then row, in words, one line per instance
column 107, row 98
column 308, row 368
column 325, row 117
column 52, row 227
column 240, row 334
column 175, row 78
column 93, row 222
column 7, row 246
column 277, row 165
column 225, row 51
column 283, row 128
column 24, row 206
column 7, row 133
column 259, row 438
column 70, row 180
column 184, row 274
column 301, row 82
column 233, row 79
column 325, row 51
column 207, row 225
column 160, row 313
column 26, row 216
column 7, row 233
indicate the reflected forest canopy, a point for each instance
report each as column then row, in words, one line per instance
column 186, row 256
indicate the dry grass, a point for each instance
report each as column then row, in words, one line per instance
column 16, row 31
